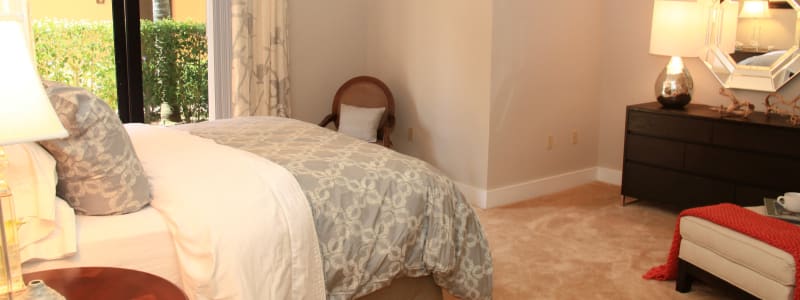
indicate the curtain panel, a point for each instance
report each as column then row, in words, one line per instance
column 260, row 66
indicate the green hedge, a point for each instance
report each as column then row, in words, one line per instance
column 77, row 53
column 174, row 63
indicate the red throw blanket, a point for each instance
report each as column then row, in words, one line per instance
column 779, row 234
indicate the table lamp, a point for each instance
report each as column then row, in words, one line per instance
column 756, row 10
column 678, row 31
column 26, row 115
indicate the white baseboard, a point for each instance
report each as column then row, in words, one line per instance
column 539, row 187
column 474, row 195
column 610, row 176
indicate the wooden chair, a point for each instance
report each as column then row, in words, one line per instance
column 368, row 92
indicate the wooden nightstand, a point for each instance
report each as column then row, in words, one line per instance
column 107, row 283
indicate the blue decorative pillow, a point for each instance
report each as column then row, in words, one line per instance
column 98, row 170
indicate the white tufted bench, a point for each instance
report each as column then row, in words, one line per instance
column 749, row 264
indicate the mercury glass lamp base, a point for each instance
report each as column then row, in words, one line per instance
column 674, row 85
column 674, row 102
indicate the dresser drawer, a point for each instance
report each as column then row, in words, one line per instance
column 682, row 189
column 654, row 151
column 680, row 128
column 753, row 168
column 783, row 141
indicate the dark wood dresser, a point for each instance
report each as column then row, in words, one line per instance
column 693, row 157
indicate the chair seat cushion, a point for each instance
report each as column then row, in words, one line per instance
column 738, row 248
column 360, row 122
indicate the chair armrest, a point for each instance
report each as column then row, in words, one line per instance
column 327, row 120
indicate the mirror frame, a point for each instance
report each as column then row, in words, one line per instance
column 734, row 76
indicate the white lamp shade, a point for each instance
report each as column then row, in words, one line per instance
column 678, row 28
column 25, row 111
column 754, row 9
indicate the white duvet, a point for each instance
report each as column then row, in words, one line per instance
column 241, row 224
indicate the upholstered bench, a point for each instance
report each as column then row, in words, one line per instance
column 749, row 264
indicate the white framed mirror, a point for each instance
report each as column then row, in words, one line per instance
column 753, row 44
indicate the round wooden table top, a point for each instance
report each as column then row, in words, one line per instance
column 107, row 283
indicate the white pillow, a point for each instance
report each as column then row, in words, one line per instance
column 61, row 243
column 359, row 122
column 763, row 60
column 32, row 178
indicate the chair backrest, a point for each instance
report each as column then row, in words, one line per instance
column 365, row 91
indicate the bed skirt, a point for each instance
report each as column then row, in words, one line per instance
column 421, row 288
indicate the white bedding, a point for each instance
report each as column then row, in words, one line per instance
column 241, row 225
column 139, row 241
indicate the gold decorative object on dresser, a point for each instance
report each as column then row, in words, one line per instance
column 793, row 110
column 737, row 107
column 778, row 106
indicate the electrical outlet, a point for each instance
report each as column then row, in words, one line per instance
column 550, row 142
column 574, row 137
column 410, row 134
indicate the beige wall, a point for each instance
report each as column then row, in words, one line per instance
column 60, row 9
column 545, row 81
column 629, row 72
column 327, row 44
column 184, row 10
column 485, row 84
column 436, row 57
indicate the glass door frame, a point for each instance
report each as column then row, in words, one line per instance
column 128, row 59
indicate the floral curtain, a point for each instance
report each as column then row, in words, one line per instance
column 260, row 71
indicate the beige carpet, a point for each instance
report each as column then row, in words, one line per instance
column 582, row 244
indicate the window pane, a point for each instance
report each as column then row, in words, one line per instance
column 74, row 44
column 174, row 61
column 74, row 41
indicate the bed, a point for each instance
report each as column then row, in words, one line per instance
column 150, row 249
column 139, row 241
column 275, row 208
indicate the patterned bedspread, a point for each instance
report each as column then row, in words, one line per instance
column 379, row 214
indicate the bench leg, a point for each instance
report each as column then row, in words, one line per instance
column 684, row 281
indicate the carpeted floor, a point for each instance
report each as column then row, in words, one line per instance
column 582, row 244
